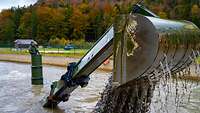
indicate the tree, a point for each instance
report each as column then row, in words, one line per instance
column 195, row 10
column 195, row 14
column 51, row 23
column 34, row 22
column 83, row 19
column 9, row 31
column 68, row 13
column 25, row 28
column 58, row 42
column 17, row 14
column 7, row 26
column 79, row 21
column 162, row 14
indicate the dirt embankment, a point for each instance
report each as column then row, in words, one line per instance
column 48, row 60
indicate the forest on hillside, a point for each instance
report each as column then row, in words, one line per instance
column 83, row 20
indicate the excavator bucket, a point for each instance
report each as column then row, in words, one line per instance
column 148, row 44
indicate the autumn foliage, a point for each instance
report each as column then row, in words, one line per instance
column 50, row 21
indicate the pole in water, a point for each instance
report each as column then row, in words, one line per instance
column 36, row 68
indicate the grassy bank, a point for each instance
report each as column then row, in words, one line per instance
column 74, row 53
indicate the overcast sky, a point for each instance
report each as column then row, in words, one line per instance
column 5, row 4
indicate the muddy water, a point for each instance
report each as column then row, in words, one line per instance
column 176, row 97
column 17, row 95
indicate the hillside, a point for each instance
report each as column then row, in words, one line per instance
column 60, row 21
column 56, row 3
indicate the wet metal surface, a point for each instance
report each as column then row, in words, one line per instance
column 143, row 44
column 17, row 95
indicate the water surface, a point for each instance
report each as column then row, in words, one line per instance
column 17, row 95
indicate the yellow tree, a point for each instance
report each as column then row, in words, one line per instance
column 195, row 14
column 50, row 23
column 7, row 25
column 195, row 10
column 79, row 21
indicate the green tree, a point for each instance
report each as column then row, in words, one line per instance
column 34, row 22
column 25, row 28
column 9, row 31
column 17, row 14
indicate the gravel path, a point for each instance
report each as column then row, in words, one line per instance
column 48, row 60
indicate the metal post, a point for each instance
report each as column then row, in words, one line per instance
column 37, row 75
column 36, row 68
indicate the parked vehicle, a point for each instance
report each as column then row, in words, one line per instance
column 69, row 47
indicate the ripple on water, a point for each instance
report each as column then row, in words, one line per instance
column 17, row 95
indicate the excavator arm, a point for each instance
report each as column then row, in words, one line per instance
column 78, row 73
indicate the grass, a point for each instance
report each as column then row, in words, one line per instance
column 74, row 53
column 10, row 51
